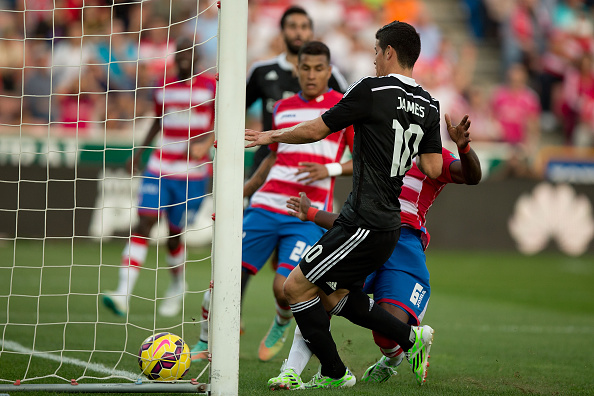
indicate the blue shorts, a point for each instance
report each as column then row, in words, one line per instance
column 179, row 199
column 263, row 231
column 403, row 280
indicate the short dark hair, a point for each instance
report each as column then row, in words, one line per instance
column 314, row 48
column 404, row 39
column 184, row 43
column 294, row 10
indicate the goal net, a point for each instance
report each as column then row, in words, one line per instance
column 98, row 252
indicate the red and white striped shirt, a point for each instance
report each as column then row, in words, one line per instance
column 187, row 111
column 281, row 182
column 419, row 192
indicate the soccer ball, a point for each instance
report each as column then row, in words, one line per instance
column 164, row 357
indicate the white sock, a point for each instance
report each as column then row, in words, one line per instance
column 396, row 359
column 299, row 354
column 205, row 312
column 133, row 258
column 127, row 280
column 176, row 260
column 283, row 314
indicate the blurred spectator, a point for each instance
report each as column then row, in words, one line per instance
column 264, row 40
column 118, row 53
column 485, row 126
column 42, row 20
column 8, row 4
column 478, row 18
column 430, row 34
column 499, row 10
column 524, row 35
column 357, row 15
column 448, row 67
column 68, row 56
column 205, row 28
column 450, row 100
column 340, row 39
column 126, row 11
column 554, row 63
column 37, row 86
column 517, row 109
column 577, row 106
column 360, row 60
column 438, row 77
column 581, row 38
column 96, row 17
column 157, row 46
column 83, row 102
column 11, row 62
column 12, row 54
column 566, row 13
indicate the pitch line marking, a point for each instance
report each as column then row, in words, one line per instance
column 97, row 367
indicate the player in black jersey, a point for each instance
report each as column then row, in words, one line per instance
column 276, row 79
column 395, row 120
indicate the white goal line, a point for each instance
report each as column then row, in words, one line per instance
column 12, row 346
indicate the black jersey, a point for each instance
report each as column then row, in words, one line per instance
column 274, row 79
column 394, row 120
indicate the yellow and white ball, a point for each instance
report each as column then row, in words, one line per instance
column 164, row 357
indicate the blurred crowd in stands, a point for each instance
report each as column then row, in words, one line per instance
column 543, row 90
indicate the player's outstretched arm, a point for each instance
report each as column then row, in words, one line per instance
column 305, row 132
column 468, row 169
column 301, row 208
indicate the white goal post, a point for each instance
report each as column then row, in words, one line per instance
column 69, row 121
column 228, row 190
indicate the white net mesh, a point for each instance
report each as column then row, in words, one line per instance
column 78, row 81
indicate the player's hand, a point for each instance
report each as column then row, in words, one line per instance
column 313, row 172
column 298, row 206
column 199, row 150
column 459, row 133
column 256, row 138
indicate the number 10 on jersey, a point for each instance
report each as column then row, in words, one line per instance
column 402, row 149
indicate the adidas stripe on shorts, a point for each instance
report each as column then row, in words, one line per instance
column 345, row 255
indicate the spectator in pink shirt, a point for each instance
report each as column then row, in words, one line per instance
column 517, row 109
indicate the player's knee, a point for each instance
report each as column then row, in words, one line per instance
column 294, row 292
column 290, row 290
column 298, row 288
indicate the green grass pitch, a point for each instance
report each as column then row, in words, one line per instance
column 505, row 324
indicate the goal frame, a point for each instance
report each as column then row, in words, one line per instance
column 224, row 320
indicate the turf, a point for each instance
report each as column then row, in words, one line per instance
column 505, row 324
